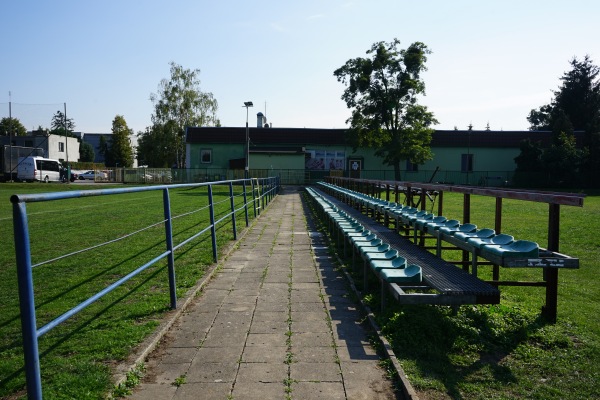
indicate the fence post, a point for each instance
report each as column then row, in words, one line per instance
column 213, row 229
column 245, row 201
column 232, row 210
column 169, row 243
column 254, row 195
column 27, row 302
column 549, row 310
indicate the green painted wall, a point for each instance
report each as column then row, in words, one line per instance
column 276, row 161
column 447, row 158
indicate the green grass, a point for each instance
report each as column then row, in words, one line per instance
column 509, row 351
column 77, row 356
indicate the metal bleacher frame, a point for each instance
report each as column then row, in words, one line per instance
column 417, row 194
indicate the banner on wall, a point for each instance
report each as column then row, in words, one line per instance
column 325, row 160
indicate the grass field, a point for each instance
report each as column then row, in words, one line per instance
column 509, row 351
column 480, row 352
column 77, row 356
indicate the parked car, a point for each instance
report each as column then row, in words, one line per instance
column 93, row 175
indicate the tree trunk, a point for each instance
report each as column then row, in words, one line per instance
column 397, row 175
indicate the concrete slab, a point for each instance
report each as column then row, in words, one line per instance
column 315, row 372
column 233, row 341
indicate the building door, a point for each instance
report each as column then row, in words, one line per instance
column 354, row 166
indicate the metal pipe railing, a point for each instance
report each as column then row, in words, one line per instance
column 31, row 333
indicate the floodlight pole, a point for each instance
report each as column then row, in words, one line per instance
column 247, row 104
column 10, row 129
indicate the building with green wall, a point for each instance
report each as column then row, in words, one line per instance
column 472, row 157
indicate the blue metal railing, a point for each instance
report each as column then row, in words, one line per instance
column 263, row 191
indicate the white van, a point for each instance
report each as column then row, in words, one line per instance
column 39, row 169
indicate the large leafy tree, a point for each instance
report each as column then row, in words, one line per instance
column 86, row 152
column 575, row 106
column 12, row 126
column 57, row 126
column 121, row 152
column 382, row 90
column 180, row 103
column 155, row 146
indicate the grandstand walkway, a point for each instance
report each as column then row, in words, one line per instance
column 275, row 322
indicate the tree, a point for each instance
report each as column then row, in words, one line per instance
column 121, row 152
column 180, row 103
column 155, row 147
column 86, row 152
column 104, row 150
column 57, row 126
column 12, row 126
column 382, row 92
column 575, row 107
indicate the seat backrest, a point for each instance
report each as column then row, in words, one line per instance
column 399, row 262
column 439, row 219
column 391, row 254
column 485, row 233
column 452, row 223
column 383, row 247
column 467, row 228
column 524, row 245
column 502, row 239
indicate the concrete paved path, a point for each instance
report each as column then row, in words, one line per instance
column 275, row 323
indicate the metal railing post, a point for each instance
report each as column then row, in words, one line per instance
column 213, row 228
column 245, row 201
column 232, row 203
column 254, row 196
column 169, row 243
column 27, row 302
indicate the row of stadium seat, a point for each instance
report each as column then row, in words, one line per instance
column 484, row 243
column 378, row 257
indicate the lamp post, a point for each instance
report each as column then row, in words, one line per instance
column 247, row 104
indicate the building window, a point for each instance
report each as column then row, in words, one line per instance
column 206, row 156
column 410, row 167
column 466, row 162
column 61, row 147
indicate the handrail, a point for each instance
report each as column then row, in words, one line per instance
column 268, row 188
column 568, row 199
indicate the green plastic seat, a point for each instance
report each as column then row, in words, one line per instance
column 365, row 239
column 412, row 273
column 461, row 228
column 388, row 255
column 516, row 249
column 398, row 262
column 481, row 233
column 382, row 248
column 419, row 223
column 500, row 239
column 423, row 224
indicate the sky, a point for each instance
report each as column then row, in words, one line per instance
column 491, row 63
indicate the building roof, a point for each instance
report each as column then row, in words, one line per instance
column 332, row 137
column 267, row 136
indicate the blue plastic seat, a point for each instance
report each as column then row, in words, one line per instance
column 382, row 248
column 516, row 249
column 412, row 273
column 461, row 228
column 481, row 233
column 450, row 223
column 398, row 262
column 436, row 221
column 501, row 239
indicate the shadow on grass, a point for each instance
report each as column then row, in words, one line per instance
column 457, row 347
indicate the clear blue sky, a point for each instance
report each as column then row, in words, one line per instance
column 492, row 61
